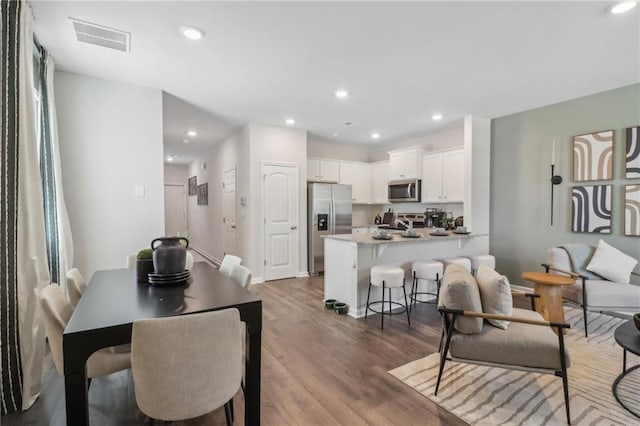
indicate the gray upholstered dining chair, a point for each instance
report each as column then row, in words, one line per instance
column 56, row 312
column 186, row 366
column 227, row 263
column 131, row 261
column 76, row 285
column 241, row 275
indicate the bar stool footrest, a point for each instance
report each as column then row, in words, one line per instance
column 383, row 312
column 412, row 296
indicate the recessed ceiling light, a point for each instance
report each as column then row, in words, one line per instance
column 375, row 135
column 290, row 121
column 436, row 117
column 341, row 93
column 169, row 158
column 192, row 33
column 185, row 141
column 335, row 134
column 622, row 7
column 192, row 133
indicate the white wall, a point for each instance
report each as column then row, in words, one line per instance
column 176, row 174
column 318, row 147
column 444, row 139
column 110, row 142
column 283, row 145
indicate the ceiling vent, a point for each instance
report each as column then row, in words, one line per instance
column 110, row 38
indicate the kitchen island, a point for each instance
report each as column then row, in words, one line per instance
column 349, row 258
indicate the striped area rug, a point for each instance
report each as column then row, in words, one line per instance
column 493, row 396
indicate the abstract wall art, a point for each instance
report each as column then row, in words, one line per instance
column 633, row 153
column 193, row 185
column 632, row 210
column 593, row 156
column 591, row 209
column 203, row 194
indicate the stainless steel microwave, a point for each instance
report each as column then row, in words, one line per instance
column 404, row 191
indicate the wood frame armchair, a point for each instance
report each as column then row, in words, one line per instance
column 559, row 369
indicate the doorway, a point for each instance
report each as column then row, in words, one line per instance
column 229, row 212
column 281, row 234
column 175, row 210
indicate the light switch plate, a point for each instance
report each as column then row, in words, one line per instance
column 139, row 191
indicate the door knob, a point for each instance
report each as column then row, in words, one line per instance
column 293, row 227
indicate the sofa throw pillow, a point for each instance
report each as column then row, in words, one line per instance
column 460, row 291
column 495, row 294
column 612, row 264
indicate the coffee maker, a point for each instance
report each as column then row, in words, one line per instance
column 434, row 218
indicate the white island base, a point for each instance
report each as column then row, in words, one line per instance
column 349, row 258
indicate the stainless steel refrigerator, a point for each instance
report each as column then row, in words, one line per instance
column 329, row 209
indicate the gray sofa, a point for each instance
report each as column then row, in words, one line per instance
column 594, row 294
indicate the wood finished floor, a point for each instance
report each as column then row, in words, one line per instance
column 317, row 368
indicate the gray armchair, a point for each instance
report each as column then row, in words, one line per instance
column 592, row 294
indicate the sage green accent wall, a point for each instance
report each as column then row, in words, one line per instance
column 520, row 172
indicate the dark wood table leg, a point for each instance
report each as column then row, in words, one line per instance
column 252, row 371
column 624, row 361
column 77, row 398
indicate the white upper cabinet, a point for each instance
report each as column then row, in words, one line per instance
column 405, row 164
column 432, row 178
column 323, row 171
column 358, row 175
column 453, row 176
column 379, row 181
column 443, row 177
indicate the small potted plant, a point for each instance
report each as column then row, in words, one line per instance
column 144, row 264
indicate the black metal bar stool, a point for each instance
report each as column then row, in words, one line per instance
column 387, row 277
column 431, row 270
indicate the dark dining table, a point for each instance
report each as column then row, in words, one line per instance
column 114, row 300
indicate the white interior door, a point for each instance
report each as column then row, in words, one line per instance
column 280, row 192
column 175, row 210
column 229, row 211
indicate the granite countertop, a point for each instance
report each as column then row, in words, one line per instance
column 396, row 238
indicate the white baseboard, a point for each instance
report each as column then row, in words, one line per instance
column 302, row 274
column 257, row 280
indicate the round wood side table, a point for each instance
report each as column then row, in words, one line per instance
column 549, row 288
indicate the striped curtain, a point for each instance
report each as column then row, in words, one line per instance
column 11, row 384
column 58, row 230
column 23, row 253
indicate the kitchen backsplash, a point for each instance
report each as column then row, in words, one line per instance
column 364, row 215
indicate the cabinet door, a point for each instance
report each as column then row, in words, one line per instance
column 453, row 176
column 379, row 183
column 359, row 177
column 432, row 178
column 411, row 164
column 329, row 171
column 396, row 165
column 312, row 170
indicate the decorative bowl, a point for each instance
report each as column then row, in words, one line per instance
column 341, row 308
column 636, row 320
column 329, row 303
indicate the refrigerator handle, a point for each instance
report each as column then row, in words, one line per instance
column 332, row 218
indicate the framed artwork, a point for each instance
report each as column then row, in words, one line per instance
column 591, row 209
column 633, row 153
column 193, row 185
column 632, row 210
column 593, row 156
column 203, row 194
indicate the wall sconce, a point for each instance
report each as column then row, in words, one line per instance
column 555, row 179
